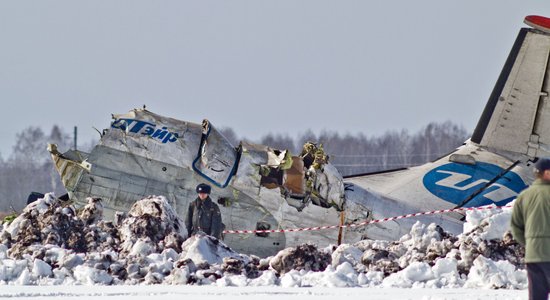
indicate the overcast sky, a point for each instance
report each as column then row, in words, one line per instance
column 256, row 66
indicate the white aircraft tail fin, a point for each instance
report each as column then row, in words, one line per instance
column 516, row 118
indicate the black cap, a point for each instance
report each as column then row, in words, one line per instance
column 542, row 164
column 203, row 188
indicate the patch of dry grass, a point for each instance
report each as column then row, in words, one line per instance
column 3, row 214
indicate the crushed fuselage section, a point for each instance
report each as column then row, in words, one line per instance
column 257, row 187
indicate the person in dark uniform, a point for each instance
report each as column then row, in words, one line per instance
column 203, row 214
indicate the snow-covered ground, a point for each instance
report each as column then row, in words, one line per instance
column 52, row 250
column 252, row 293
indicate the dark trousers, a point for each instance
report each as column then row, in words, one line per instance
column 539, row 280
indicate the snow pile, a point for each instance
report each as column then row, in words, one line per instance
column 42, row 222
column 151, row 226
column 304, row 257
column 201, row 248
column 52, row 243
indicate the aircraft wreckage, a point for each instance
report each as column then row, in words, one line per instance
column 259, row 187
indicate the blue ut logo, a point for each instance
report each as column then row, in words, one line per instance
column 456, row 183
column 145, row 128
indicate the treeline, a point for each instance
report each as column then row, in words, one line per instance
column 29, row 167
column 357, row 154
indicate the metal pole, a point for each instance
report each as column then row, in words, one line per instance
column 75, row 135
column 341, row 229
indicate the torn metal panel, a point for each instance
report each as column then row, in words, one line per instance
column 263, row 155
column 216, row 159
column 70, row 166
column 329, row 185
column 294, row 180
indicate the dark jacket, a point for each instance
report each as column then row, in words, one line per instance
column 204, row 215
column 530, row 221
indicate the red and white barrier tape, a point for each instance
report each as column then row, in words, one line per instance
column 367, row 222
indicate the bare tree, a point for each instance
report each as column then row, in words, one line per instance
column 356, row 154
column 279, row 141
column 230, row 135
column 30, row 167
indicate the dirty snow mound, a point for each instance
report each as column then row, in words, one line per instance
column 51, row 242
column 151, row 225
column 304, row 257
column 45, row 221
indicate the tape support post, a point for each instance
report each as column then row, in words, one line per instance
column 367, row 222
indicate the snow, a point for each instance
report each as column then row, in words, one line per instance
column 151, row 292
column 146, row 254
column 202, row 249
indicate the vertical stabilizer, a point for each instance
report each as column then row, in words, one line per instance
column 517, row 116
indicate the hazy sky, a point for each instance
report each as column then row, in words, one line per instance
column 256, row 66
